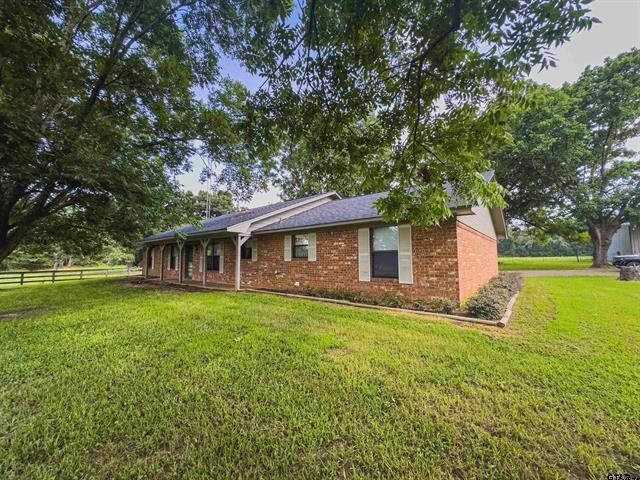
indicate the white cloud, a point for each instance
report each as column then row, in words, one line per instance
column 618, row 33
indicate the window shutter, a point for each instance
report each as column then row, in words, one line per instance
column 364, row 255
column 221, row 260
column 312, row 248
column 287, row 248
column 254, row 250
column 405, row 261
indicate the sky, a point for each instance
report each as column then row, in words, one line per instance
column 618, row 32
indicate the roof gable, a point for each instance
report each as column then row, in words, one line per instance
column 228, row 221
column 323, row 209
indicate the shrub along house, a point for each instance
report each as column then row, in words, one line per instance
column 327, row 242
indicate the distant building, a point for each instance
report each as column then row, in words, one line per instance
column 626, row 241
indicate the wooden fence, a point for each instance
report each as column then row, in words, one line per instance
column 43, row 276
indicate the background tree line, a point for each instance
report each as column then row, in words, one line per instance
column 57, row 254
column 521, row 244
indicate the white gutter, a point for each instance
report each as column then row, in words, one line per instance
column 378, row 219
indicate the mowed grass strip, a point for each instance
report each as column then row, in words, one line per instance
column 100, row 379
column 544, row 263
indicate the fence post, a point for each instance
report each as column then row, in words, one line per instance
column 53, row 276
column 22, row 278
column 81, row 274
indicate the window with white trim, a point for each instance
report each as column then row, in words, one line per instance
column 173, row 257
column 384, row 252
column 150, row 259
column 213, row 257
column 246, row 251
column 300, row 247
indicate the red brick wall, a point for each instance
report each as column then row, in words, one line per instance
column 169, row 274
column 477, row 259
column 336, row 267
column 155, row 271
column 438, row 255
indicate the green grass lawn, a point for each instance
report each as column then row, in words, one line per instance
column 104, row 380
column 543, row 263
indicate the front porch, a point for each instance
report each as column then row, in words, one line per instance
column 212, row 262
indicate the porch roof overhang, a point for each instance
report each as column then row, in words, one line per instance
column 239, row 223
column 165, row 240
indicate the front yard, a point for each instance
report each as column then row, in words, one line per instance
column 104, row 380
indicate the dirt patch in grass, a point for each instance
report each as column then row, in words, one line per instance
column 22, row 314
column 338, row 351
column 141, row 283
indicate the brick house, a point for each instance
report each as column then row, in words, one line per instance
column 327, row 242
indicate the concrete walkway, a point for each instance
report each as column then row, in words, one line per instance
column 587, row 272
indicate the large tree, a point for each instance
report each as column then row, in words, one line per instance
column 98, row 104
column 99, row 110
column 407, row 95
column 569, row 167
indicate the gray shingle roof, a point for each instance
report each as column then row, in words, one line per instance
column 336, row 211
column 349, row 210
column 221, row 222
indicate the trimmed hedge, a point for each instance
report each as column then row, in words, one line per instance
column 490, row 302
column 389, row 299
column 630, row 273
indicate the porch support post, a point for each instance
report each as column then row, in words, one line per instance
column 203, row 257
column 145, row 262
column 239, row 241
column 238, row 245
column 162, row 262
column 180, row 245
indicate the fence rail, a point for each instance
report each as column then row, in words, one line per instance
column 43, row 276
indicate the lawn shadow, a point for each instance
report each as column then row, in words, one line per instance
column 23, row 314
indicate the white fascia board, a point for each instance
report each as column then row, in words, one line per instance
column 248, row 226
column 213, row 234
column 499, row 223
column 460, row 211
column 372, row 220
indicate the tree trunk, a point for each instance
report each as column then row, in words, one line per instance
column 601, row 235
column 600, row 251
column 6, row 248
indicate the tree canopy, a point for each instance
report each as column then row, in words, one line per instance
column 99, row 112
column 103, row 102
column 402, row 95
column 569, row 167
